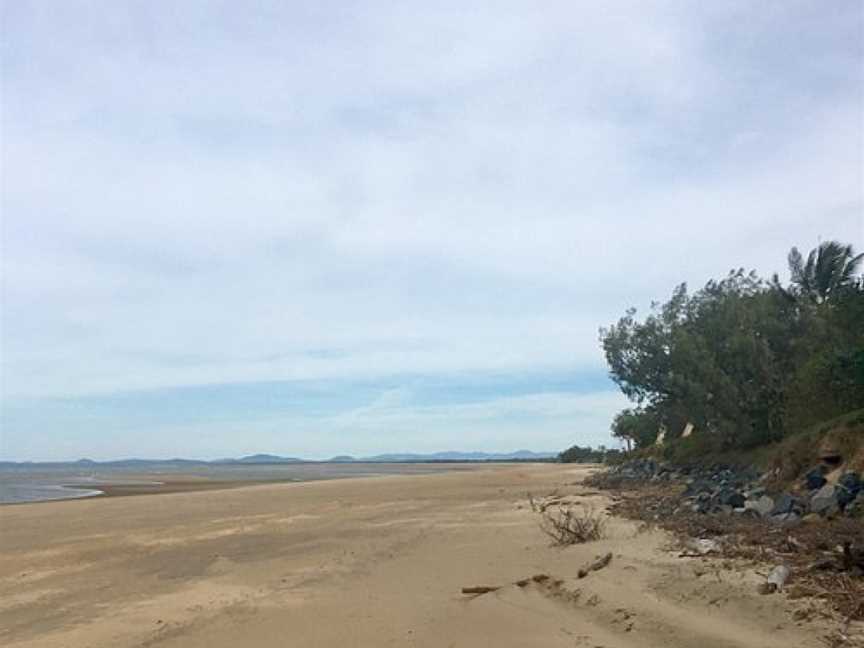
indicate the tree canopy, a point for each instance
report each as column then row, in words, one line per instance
column 829, row 268
column 744, row 359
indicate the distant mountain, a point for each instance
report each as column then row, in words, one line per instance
column 264, row 459
column 409, row 457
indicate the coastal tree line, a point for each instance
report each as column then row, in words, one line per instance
column 746, row 360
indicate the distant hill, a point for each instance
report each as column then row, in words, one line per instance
column 265, row 459
column 519, row 455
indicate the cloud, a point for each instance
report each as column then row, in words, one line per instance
column 205, row 194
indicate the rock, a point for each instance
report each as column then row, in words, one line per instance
column 776, row 580
column 824, row 501
column 855, row 508
column 787, row 519
column 696, row 487
column 786, row 503
column 749, row 513
column 762, row 506
column 815, row 479
column 848, row 487
column 729, row 497
column 852, row 481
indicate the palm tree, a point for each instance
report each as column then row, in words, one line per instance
column 829, row 267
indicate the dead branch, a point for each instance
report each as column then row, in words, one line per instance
column 597, row 565
column 480, row 589
column 567, row 526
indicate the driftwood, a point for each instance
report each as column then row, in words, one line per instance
column 540, row 505
column 598, row 564
column 700, row 547
column 825, row 564
column 480, row 589
column 850, row 560
column 775, row 581
column 793, row 545
column 537, row 578
column 524, row 582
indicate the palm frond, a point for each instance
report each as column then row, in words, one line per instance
column 829, row 267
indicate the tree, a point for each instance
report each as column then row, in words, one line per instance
column 747, row 361
column 828, row 269
column 717, row 358
column 575, row 454
column 636, row 428
column 828, row 379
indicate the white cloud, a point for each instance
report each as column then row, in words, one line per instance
column 200, row 194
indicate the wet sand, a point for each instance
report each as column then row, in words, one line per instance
column 113, row 489
column 50, row 484
column 376, row 561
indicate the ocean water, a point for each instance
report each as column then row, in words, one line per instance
column 42, row 483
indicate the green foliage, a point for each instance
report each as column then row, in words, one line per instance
column 747, row 361
column 575, row 454
column 692, row 449
column 828, row 268
column 637, row 428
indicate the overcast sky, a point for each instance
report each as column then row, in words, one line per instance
column 314, row 228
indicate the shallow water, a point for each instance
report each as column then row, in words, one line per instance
column 42, row 483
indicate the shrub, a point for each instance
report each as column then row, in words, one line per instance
column 567, row 526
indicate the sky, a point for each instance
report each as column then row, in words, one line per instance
column 318, row 228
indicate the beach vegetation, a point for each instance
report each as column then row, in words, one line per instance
column 744, row 361
column 569, row 525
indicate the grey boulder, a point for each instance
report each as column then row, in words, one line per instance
column 815, row 479
column 824, row 501
column 761, row 506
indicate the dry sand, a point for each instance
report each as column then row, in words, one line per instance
column 363, row 563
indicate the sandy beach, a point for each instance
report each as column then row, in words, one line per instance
column 369, row 562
